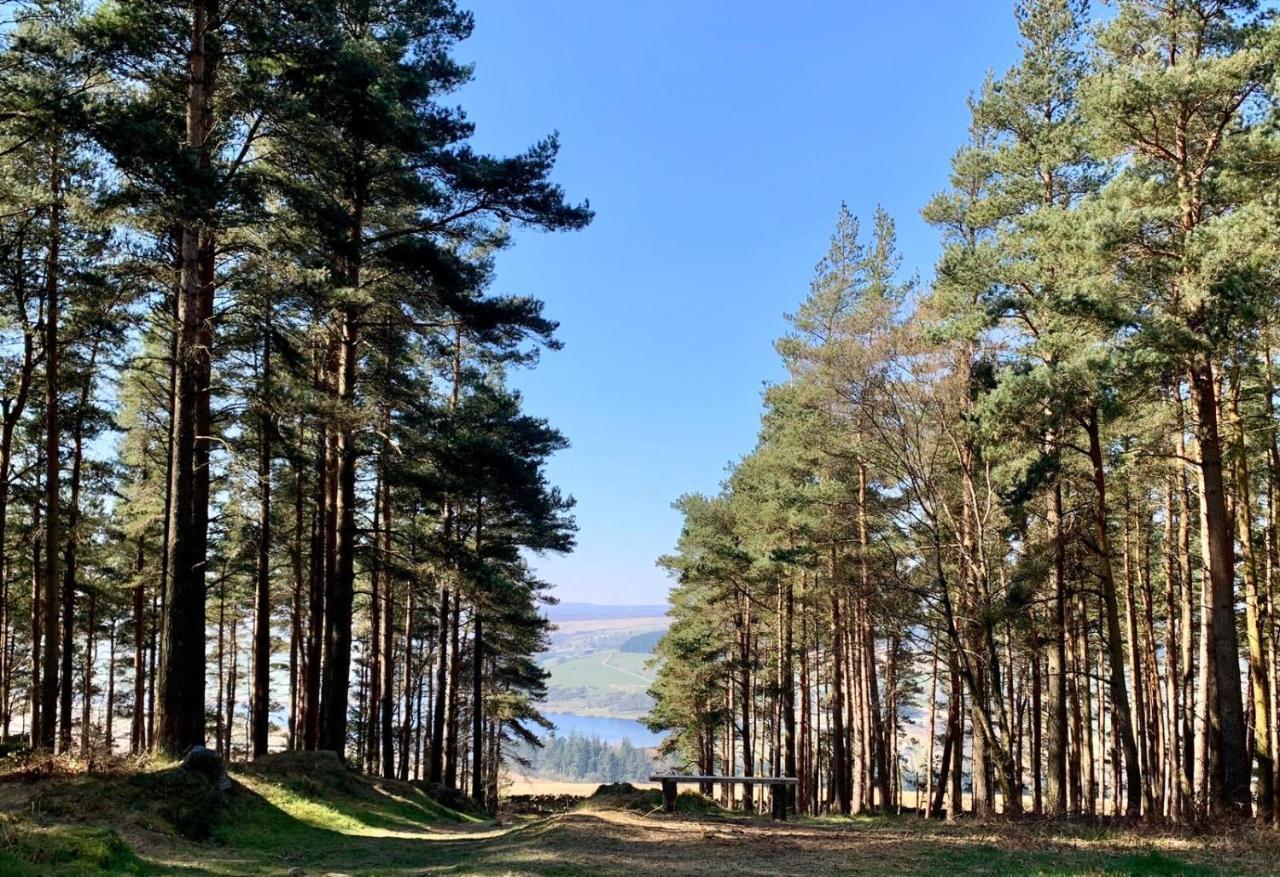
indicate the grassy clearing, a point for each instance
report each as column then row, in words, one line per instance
column 306, row 815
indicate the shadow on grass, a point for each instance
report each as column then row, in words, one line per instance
column 276, row 819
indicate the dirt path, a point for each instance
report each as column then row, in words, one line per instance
column 605, row 663
column 615, row 842
column 622, row 842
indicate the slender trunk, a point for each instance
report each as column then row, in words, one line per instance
column 442, row 684
column 477, row 708
column 410, row 679
column 38, row 619
column 388, row 643
column 315, row 597
column 52, row 454
column 1138, row 717
column 744, row 701
column 12, row 409
column 839, row 763
column 788, row 694
column 233, row 678
column 1173, row 674
column 110, row 721
column 297, row 648
column 1190, row 630
column 137, row 731
column 71, row 566
column 1255, row 622
column 1115, row 645
column 477, row 676
column 86, row 683
column 955, row 730
column 378, row 588
column 260, row 714
column 340, row 592
column 1218, row 554
column 1056, row 718
column 455, row 683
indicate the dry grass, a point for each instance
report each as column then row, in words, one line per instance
column 519, row 784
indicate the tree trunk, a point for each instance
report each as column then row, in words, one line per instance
column 109, row 733
column 90, row 657
column 1115, row 645
column 1056, row 711
column 1138, row 716
column 1190, row 630
column 340, row 593
column 137, row 729
column 839, row 757
column 181, row 683
column 388, row 642
column 789, row 689
column 52, row 541
column 477, row 708
column 455, row 692
column 297, row 648
column 436, row 773
column 315, row 598
column 378, row 588
column 1218, row 554
column 71, row 568
column 12, row 409
column 1255, row 622
column 260, row 717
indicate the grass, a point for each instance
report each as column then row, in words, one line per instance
column 291, row 810
column 608, row 669
column 306, row 814
column 30, row 849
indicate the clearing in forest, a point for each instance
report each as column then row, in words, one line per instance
column 305, row 815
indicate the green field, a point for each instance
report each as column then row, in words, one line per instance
column 606, row 669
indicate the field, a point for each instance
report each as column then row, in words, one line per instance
column 590, row 673
column 608, row 669
column 303, row 815
column 519, row 784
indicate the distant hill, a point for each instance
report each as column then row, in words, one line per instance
column 602, row 611
column 642, row 643
column 598, row 657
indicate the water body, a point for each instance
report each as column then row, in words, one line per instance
column 606, row 729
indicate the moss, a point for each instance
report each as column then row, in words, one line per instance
column 30, row 849
column 169, row 800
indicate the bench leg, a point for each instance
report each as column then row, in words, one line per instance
column 668, row 796
column 779, row 795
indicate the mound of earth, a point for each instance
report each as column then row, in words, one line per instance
column 539, row 805
column 624, row 796
column 170, row 800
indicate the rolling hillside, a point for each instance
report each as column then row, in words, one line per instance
column 598, row 659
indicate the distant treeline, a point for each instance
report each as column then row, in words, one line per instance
column 587, row 758
column 643, row 643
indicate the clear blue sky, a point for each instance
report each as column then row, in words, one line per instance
column 715, row 140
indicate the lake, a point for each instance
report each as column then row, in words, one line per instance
column 607, row 729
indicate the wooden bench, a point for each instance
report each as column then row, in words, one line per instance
column 776, row 784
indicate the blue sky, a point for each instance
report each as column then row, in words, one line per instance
column 715, row 140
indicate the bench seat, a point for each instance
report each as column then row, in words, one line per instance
column 777, row 784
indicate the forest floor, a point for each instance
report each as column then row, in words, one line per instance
column 293, row 817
